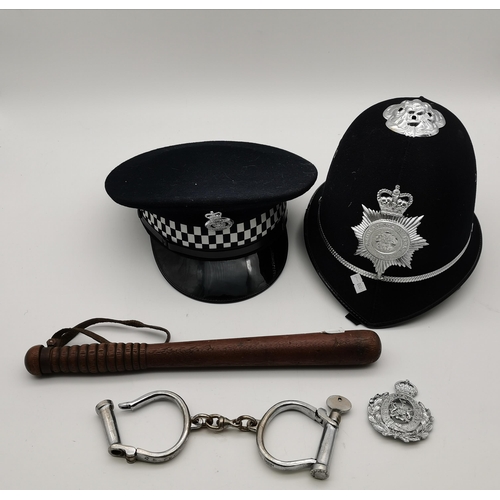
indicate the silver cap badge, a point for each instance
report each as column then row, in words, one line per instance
column 399, row 415
column 388, row 238
column 216, row 222
column 414, row 119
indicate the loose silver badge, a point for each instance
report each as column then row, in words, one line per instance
column 414, row 119
column 216, row 222
column 388, row 238
column 399, row 415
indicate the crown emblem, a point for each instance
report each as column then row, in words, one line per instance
column 406, row 388
column 216, row 222
column 393, row 202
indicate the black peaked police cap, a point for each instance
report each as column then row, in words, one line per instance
column 392, row 231
column 216, row 213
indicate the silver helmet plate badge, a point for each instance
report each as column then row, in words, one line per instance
column 414, row 119
column 399, row 416
column 386, row 237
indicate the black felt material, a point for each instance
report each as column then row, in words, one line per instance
column 439, row 172
column 237, row 176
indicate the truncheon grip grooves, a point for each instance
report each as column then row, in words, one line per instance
column 87, row 358
column 351, row 348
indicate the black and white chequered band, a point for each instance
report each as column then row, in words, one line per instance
column 239, row 234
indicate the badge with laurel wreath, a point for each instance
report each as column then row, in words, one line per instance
column 399, row 416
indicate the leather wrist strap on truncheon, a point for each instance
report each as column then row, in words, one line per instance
column 348, row 348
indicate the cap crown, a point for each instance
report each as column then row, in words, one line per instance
column 210, row 176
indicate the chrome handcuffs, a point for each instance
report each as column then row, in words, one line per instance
column 319, row 466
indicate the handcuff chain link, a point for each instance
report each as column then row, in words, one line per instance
column 218, row 423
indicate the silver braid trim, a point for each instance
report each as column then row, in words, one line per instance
column 388, row 279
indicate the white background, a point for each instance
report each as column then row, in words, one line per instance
column 82, row 91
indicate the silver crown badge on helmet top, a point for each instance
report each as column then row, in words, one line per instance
column 414, row 118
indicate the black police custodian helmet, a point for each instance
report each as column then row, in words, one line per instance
column 392, row 231
column 215, row 212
